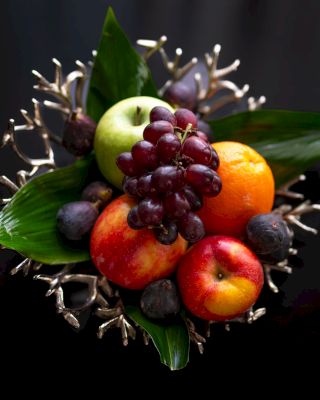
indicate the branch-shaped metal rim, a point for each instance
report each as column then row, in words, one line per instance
column 61, row 88
column 214, row 79
column 98, row 290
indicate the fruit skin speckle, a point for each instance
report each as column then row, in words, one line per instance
column 130, row 258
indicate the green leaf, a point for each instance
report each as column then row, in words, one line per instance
column 118, row 72
column 289, row 140
column 171, row 341
column 28, row 222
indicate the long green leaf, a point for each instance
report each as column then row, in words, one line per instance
column 289, row 140
column 171, row 341
column 119, row 71
column 28, row 222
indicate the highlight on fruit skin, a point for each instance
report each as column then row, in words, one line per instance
column 219, row 278
column 130, row 258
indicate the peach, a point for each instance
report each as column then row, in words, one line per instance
column 130, row 258
column 219, row 278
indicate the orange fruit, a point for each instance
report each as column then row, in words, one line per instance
column 247, row 190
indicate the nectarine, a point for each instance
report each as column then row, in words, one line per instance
column 219, row 278
column 130, row 258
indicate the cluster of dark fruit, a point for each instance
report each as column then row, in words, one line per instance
column 76, row 219
column 168, row 173
column 270, row 237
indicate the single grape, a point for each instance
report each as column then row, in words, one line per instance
column 168, row 178
column 78, row 134
column 181, row 95
column 198, row 150
column 167, row 233
column 153, row 132
column 167, row 147
column 204, row 179
column 133, row 219
column 130, row 186
column 215, row 188
column 75, row 220
column 269, row 237
column 97, row 192
column 145, row 155
column 144, row 186
column 202, row 136
column 160, row 300
column 176, row 204
column 185, row 117
column 151, row 211
column 193, row 198
column 160, row 113
column 127, row 165
column 191, row 227
column 206, row 128
column 215, row 162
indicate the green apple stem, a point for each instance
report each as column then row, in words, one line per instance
column 137, row 117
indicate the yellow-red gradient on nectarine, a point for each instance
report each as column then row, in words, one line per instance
column 130, row 258
column 219, row 278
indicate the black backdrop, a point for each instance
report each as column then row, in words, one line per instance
column 278, row 44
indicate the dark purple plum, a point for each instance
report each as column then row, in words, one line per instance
column 160, row 300
column 78, row 134
column 181, row 95
column 97, row 192
column 75, row 220
column 269, row 236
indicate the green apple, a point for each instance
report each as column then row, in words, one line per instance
column 119, row 129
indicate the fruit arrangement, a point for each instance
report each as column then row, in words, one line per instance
column 172, row 217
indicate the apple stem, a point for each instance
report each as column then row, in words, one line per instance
column 138, row 116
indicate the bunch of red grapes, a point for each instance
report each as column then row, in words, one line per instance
column 168, row 173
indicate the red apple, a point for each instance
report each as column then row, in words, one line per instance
column 219, row 278
column 130, row 258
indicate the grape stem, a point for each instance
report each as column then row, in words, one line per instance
column 186, row 133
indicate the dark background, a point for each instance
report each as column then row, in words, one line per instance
column 278, row 43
